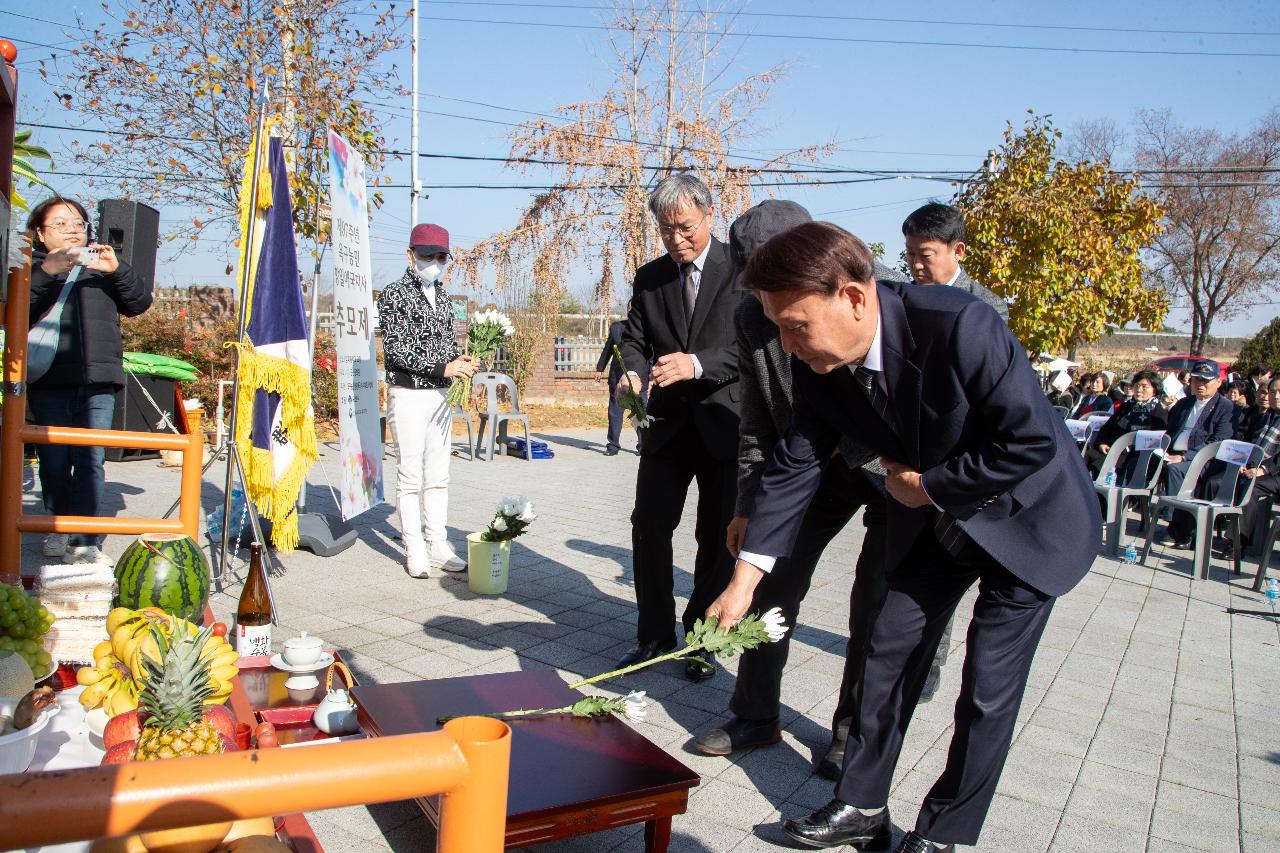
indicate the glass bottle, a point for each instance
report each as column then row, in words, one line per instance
column 253, row 613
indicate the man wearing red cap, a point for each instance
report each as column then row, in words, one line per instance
column 422, row 358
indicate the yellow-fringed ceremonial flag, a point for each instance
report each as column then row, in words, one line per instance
column 275, row 432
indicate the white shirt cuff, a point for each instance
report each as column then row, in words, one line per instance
column 697, row 367
column 760, row 561
column 926, row 494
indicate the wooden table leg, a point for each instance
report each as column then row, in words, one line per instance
column 657, row 835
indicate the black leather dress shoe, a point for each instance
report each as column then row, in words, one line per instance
column 739, row 734
column 839, row 823
column 611, row 451
column 913, row 843
column 643, row 652
column 700, row 666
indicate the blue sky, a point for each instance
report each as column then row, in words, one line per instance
column 897, row 94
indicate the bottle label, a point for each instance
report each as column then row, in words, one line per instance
column 253, row 640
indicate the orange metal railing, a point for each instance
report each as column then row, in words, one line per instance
column 14, row 433
column 468, row 763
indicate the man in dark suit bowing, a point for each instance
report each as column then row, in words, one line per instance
column 681, row 325
column 985, row 487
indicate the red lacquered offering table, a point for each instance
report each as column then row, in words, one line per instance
column 569, row 775
column 261, row 697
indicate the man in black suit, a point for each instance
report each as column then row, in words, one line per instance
column 681, row 324
column 1202, row 417
column 612, row 445
column 765, row 381
column 934, row 235
column 985, row 485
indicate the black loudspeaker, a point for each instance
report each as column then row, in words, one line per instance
column 144, row 404
column 133, row 230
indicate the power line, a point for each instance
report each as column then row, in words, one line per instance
column 865, row 19
column 856, row 40
column 885, row 174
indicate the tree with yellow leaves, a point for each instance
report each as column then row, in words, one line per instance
column 1061, row 241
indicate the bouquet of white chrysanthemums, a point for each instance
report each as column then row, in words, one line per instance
column 489, row 330
column 510, row 520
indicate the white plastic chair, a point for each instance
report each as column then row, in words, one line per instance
column 1207, row 511
column 1135, row 483
column 490, row 383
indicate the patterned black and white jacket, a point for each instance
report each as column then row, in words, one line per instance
column 417, row 340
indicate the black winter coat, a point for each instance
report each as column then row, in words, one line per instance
column 89, row 345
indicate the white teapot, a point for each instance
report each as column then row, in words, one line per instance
column 336, row 715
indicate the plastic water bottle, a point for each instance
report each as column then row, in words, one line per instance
column 1111, row 478
column 1273, row 590
column 1130, row 554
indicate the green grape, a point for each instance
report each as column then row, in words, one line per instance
column 8, row 619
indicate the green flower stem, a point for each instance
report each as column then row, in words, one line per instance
column 676, row 655
column 507, row 715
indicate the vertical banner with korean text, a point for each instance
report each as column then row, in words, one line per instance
column 359, row 428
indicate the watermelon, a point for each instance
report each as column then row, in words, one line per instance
column 165, row 570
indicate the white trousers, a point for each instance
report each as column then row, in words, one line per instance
column 421, row 422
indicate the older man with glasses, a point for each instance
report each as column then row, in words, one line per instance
column 680, row 325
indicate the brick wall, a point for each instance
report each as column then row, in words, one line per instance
column 548, row 385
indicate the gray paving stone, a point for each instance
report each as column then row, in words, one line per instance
column 1141, row 675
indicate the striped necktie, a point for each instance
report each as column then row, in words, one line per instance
column 945, row 528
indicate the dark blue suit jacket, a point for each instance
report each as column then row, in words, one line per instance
column 1217, row 421
column 968, row 412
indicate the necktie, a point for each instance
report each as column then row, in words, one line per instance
column 945, row 528
column 690, row 296
column 878, row 399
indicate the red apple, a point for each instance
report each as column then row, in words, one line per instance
column 222, row 719
column 122, row 727
column 121, row 753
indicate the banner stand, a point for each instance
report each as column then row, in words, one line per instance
column 317, row 532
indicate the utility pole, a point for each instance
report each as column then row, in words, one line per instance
column 415, row 185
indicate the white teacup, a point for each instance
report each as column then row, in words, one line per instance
column 302, row 650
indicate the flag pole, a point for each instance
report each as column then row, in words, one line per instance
column 233, row 452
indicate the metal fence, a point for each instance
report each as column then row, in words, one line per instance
column 577, row 354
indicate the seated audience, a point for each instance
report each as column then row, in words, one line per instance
column 1194, row 422
column 1266, row 477
column 1250, row 416
column 1143, row 411
column 1257, row 382
column 1236, row 393
column 1094, row 399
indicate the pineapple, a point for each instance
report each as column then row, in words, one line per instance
column 172, row 699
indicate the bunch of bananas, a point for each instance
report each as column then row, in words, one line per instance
column 108, row 683
column 117, row 675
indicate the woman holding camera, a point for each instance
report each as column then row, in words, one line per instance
column 78, row 386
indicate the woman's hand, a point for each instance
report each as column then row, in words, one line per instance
column 60, row 261
column 1104, row 447
column 107, row 261
column 462, row 367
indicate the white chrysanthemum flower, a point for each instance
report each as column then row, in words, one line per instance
column 646, row 421
column 774, row 627
column 635, row 706
column 499, row 523
column 524, row 511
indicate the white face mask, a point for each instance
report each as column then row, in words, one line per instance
column 429, row 269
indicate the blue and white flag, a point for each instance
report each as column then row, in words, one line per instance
column 276, row 430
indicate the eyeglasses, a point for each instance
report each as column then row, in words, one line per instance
column 682, row 230
column 78, row 225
